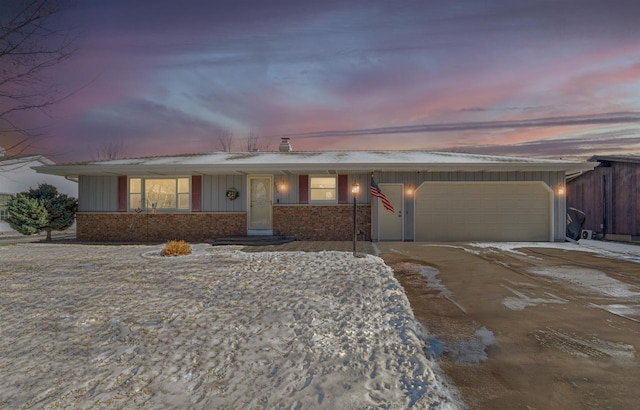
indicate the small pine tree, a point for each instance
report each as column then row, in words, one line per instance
column 26, row 215
column 60, row 211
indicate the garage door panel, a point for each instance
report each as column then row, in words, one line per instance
column 495, row 211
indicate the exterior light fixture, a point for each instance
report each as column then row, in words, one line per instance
column 409, row 191
column 355, row 190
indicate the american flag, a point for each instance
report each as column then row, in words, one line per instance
column 376, row 192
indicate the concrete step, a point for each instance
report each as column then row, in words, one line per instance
column 254, row 240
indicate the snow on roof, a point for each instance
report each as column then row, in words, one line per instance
column 220, row 162
column 22, row 159
column 326, row 157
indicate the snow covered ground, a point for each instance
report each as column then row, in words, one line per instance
column 121, row 327
column 608, row 249
column 624, row 299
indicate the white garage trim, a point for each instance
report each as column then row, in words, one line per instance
column 461, row 211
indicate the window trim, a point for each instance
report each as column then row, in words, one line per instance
column 143, row 188
column 318, row 201
column 4, row 208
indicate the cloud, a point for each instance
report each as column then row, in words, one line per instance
column 582, row 147
column 145, row 128
column 595, row 119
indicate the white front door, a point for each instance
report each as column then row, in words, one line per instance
column 390, row 224
column 259, row 219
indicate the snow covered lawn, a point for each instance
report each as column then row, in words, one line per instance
column 121, row 327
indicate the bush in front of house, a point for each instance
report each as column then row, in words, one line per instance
column 176, row 248
column 41, row 209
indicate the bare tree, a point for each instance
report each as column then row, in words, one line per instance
column 225, row 140
column 29, row 45
column 254, row 143
column 109, row 150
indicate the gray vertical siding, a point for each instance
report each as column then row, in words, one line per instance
column 97, row 193
column 289, row 196
column 100, row 193
column 214, row 189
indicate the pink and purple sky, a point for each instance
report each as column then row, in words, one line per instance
column 554, row 78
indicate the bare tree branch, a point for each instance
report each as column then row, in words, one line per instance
column 109, row 150
column 254, row 143
column 225, row 140
column 29, row 45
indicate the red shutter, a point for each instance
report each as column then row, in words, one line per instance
column 303, row 189
column 196, row 193
column 122, row 193
column 343, row 189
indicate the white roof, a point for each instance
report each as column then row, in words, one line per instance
column 17, row 175
column 313, row 161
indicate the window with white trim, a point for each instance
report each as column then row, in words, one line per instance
column 163, row 194
column 323, row 189
column 4, row 211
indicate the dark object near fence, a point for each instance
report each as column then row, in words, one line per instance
column 575, row 223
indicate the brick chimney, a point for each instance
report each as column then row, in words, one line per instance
column 285, row 146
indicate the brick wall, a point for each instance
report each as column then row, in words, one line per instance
column 144, row 227
column 321, row 223
column 304, row 222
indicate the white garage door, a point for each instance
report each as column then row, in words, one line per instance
column 483, row 211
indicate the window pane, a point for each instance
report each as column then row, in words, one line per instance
column 183, row 185
column 161, row 192
column 4, row 199
column 323, row 194
column 183, row 201
column 323, row 188
column 323, row 182
column 135, row 186
column 135, row 201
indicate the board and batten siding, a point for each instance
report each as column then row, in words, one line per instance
column 214, row 193
column 414, row 179
column 290, row 194
column 97, row 193
column 610, row 198
column 100, row 193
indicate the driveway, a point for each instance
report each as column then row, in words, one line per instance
column 527, row 328
column 530, row 328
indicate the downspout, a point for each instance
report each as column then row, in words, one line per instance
column 604, row 206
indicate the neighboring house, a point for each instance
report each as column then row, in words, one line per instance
column 307, row 195
column 17, row 175
column 609, row 196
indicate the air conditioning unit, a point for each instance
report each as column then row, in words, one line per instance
column 587, row 234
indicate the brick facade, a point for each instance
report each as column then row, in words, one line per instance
column 321, row 222
column 303, row 222
column 145, row 227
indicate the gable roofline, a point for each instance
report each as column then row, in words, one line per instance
column 21, row 159
column 616, row 158
column 313, row 162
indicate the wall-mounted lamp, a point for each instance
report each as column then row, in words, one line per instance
column 282, row 187
column 408, row 191
column 560, row 190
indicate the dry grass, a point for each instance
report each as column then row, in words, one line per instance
column 176, row 248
